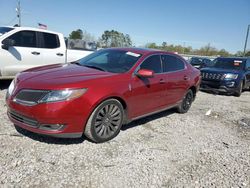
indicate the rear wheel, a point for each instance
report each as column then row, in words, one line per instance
column 186, row 102
column 105, row 121
column 239, row 90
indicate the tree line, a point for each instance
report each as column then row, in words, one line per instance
column 113, row 38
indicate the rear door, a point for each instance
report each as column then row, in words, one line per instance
column 23, row 55
column 52, row 48
column 177, row 79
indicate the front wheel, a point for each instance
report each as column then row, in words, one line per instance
column 105, row 121
column 186, row 102
column 239, row 90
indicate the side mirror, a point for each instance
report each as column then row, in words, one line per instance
column 7, row 43
column 145, row 73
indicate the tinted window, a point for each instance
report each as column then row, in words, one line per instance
column 24, row 38
column 152, row 63
column 229, row 63
column 50, row 40
column 172, row 63
column 4, row 30
column 195, row 61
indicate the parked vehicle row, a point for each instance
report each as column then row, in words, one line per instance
column 96, row 95
column 200, row 62
column 23, row 48
column 228, row 75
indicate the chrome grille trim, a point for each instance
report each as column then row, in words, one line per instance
column 212, row 76
column 29, row 97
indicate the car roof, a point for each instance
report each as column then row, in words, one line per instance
column 143, row 51
column 234, row 58
column 32, row 29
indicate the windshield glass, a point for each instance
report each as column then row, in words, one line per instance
column 195, row 61
column 5, row 30
column 116, row 61
column 229, row 63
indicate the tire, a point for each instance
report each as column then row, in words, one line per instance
column 105, row 121
column 239, row 90
column 186, row 102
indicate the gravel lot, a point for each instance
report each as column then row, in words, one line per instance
column 163, row 150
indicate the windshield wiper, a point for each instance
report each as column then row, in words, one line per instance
column 95, row 67
column 77, row 63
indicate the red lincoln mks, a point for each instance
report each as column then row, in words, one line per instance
column 96, row 95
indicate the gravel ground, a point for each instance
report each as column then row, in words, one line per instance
column 163, row 150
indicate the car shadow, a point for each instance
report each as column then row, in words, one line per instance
column 222, row 93
column 147, row 119
column 4, row 84
column 48, row 139
column 70, row 141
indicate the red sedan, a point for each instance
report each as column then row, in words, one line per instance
column 98, row 94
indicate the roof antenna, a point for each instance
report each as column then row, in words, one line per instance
column 18, row 12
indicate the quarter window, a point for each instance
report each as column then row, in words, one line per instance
column 24, row 39
column 152, row 63
column 172, row 63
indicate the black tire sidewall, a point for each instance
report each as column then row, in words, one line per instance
column 180, row 108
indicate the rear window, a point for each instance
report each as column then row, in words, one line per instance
column 50, row 40
column 229, row 63
column 172, row 63
column 5, row 30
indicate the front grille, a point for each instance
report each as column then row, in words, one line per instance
column 212, row 76
column 23, row 119
column 30, row 97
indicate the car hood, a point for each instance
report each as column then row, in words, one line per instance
column 59, row 76
column 220, row 70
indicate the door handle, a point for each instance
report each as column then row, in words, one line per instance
column 162, row 81
column 59, row 54
column 185, row 78
column 35, row 53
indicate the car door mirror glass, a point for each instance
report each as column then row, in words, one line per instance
column 145, row 73
column 7, row 43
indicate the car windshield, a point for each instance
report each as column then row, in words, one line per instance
column 4, row 30
column 195, row 61
column 116, row 61
column 229, row 63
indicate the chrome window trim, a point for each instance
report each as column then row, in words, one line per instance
column 160, row 54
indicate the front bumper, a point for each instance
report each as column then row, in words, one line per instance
column 219, row 86
column 62, row 119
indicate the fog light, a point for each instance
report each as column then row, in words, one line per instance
column 230, row 84
column 51, row 127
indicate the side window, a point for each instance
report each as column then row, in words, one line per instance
column 24, row 39
column 50, row 40
column 172, row 63
column 248, row 64
column 152, row 63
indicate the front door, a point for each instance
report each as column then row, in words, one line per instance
column 147, row 93
column 23, row 55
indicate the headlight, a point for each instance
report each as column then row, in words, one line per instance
column 231, row 76
column 62, row 95
column 11, row 87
